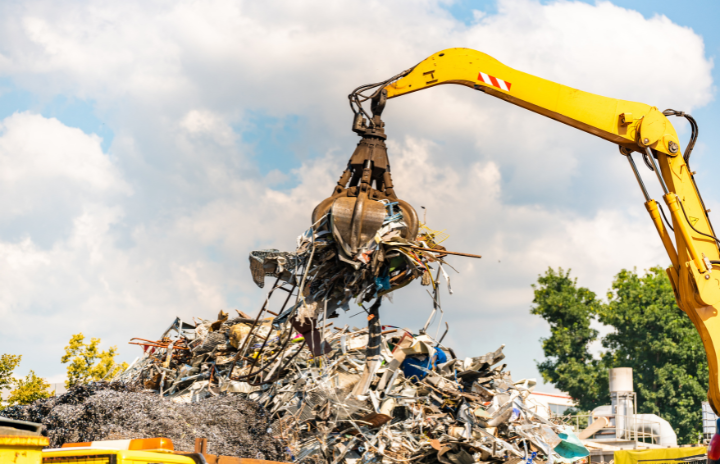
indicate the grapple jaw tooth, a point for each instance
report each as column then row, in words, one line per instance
column 355, row 221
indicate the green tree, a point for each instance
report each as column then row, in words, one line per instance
column 87, row 362
column 8, row 363
column 569, row 310
column 28, row 390
column 23, row 391
column 650, row 334
column 654, row 337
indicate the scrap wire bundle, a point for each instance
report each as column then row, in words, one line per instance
column 420, row 403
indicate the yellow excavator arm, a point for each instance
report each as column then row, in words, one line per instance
column 635, row 127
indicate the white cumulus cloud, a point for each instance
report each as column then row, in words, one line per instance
column 230, row 120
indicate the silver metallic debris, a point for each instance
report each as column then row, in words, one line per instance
column 414, row 402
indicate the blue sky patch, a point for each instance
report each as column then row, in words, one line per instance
column 72, row 112
column 278, row 143
column 81, row 114
column 462, row 10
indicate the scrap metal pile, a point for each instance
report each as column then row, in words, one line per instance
column 418, row 403
column 346, row 395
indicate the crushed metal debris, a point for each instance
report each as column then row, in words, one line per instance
column 326, row 273
column 418, row 402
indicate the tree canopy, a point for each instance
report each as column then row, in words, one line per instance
column 22, row 391
column 569, row 310
column 87, row 363
column 28, row 390
column 8, row 363
column 649, row 333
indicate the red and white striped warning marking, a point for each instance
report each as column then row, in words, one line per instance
column 494, row 81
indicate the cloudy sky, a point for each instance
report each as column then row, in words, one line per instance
column 147, row 146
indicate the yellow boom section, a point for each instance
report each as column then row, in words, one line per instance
column 634, row 127
column 585, row 111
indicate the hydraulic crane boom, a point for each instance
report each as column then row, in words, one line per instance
column 695, row 259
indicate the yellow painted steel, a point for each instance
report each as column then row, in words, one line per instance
column 634, row 126
column 102, row 456
column 661, row 456
column 654, row 211
column 21, row 449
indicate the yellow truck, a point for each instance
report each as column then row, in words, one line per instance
column 21, row 443
column 138, row 451
column 682, row 455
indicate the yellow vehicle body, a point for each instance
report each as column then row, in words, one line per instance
column 635, row 127
column 21, row 449
column 662, row 455
column 110, row 456
column 156, row 450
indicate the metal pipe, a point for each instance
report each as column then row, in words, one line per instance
column 241, row 351
column 653, row 209
column 657, row 170
column 267, row 337
column 442, row 252
column 637, row 176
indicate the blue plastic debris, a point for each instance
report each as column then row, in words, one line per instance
column 382, row 283
column 414, row 366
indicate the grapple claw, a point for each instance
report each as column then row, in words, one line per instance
column 357, row 206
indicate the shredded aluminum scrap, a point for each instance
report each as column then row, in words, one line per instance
column 233, row 425
column 418, row 403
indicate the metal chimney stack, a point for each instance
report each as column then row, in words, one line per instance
column 622, row 400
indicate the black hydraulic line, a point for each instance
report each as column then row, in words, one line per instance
column 662, row 211
column 356, row 97
column 647, row 162
column 693, row 227
column 693, row 134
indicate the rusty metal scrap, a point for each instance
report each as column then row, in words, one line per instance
column 415, row 401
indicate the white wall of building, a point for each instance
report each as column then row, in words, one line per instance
column 550, row 404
